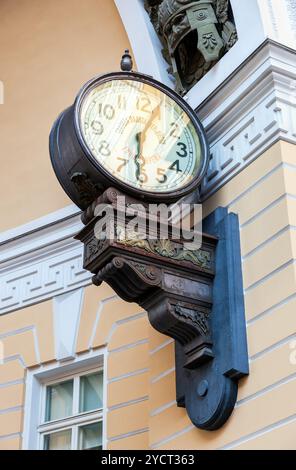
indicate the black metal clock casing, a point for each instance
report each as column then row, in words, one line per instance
column 153, row 145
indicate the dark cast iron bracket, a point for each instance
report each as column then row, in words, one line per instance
column 193, row 296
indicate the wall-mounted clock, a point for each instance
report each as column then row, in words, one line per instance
column 127, row 130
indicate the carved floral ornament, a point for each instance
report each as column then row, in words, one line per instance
column 169, row 249
column 194, row 35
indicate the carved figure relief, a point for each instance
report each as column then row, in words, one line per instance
column 194, row 35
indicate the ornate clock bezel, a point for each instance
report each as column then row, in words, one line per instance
column 129, row 189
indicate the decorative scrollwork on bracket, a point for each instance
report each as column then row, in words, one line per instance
column 197, row 317
column 169, row 249
column 93, row 248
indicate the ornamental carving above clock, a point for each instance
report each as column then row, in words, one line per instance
column 127, row 130
column 195, row 34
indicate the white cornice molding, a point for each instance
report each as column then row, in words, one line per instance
column 55, row 228
column 41, row 222
column 249, row 112
column 41, row 259
column 279, row 20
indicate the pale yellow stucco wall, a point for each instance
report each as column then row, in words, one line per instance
column 140, row 362
column 48, row 49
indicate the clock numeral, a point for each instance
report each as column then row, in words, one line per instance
column 163, row 177
column 183, row 153
column 175, row 167
column 104, row 148
column 97, row 127
column 125, row 162
column 107, row 111
column 144, row 104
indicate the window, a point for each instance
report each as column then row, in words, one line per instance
column 72, row 413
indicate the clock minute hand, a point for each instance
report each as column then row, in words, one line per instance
column 137, row 156
column 143, row 133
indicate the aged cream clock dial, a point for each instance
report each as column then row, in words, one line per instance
column 140, row 135
column 127, row 130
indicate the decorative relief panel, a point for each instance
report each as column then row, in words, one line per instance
column 51, row 275
column 244, row 142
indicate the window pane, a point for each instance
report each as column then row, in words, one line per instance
column 59, row 399
column 90, row 436
column 58, row 440
column 91, row 392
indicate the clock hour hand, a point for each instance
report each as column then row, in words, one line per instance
column 141, row 138
column 138, row 156
column 154, row 115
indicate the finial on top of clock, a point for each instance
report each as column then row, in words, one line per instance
column 126, row 63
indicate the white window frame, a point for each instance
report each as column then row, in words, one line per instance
column 73, row 421
column 37, row 380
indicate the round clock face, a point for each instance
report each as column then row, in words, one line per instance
column 140, row 136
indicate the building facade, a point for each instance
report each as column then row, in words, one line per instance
column 79, row 367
